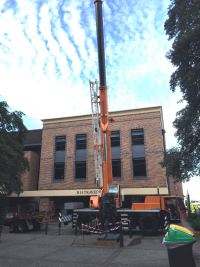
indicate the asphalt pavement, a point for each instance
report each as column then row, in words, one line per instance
column 37, row 249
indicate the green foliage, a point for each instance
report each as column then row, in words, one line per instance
column 181, row 166
column 194, row 221
column 12, row 161
column 173, row 163
column 183, row 25
column 193, row 208
column 3, row 205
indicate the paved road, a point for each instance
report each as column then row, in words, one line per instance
column 37, row 249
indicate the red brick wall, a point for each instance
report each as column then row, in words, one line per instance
column 151, row 124
column 176, row 189
column 45, row 204
column 70, row 129
column 30, row 179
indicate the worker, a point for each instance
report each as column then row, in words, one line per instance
column 167, row 202
column 170, row 207
column 15, row 223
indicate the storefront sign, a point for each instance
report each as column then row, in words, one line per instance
column 87, row 192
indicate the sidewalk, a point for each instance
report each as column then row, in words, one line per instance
column 37, row 249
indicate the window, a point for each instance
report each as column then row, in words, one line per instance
column 138, row 153
column 115, row 139
column 139, row 167
column 59, row 171
column 115, row 153
column 60, row 143
column 81, row 141
column 137, row 137
column 116, row 168
column 59, row 160
column 81, row 170
column 80, row 164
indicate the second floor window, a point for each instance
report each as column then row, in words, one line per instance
column 59, row 160
column 138, row 153
column 115, row 152
column 80, row 160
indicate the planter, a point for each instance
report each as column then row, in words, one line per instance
column 1, row 228
column 197, row 235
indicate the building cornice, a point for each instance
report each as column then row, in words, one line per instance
column 111, row 114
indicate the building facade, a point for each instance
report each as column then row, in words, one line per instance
column 62, row 164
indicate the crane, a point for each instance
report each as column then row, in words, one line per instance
column 152, row 213
column 101, row 131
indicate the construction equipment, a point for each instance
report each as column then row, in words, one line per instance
column 31, row 216
column 157, row 212
column 102, row 134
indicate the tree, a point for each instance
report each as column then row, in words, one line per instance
column 183, row 24
column 3, row 205
column 13, row 163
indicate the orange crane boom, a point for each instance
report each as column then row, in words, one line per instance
column 107, row 161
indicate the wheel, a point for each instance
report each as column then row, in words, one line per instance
column 22, row 227
column 150, row 225
column 36, row 225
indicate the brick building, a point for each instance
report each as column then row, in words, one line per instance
column 61, row 157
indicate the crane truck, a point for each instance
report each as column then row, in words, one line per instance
column 157, row 212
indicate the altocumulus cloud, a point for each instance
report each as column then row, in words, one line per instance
column 48, row 53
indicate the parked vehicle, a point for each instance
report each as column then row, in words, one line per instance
column 30, row 216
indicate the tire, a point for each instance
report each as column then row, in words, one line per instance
column 22, row 226
column 36, row 225
column 150, row 225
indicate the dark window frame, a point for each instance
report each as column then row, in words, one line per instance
column 80, row 162
column 115, row 139
column 81, row 140
column 115, row 142
column 60, row 143
column 134, row 166
column 54, row 175
column 81, row 144
column 137, row 139
column 119, row 166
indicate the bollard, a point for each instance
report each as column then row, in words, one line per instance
column 121, row 235
column 76, row 227
column 142, row 233
column 46, row 228
column 130, row 230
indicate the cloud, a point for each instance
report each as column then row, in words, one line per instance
column 48, row 54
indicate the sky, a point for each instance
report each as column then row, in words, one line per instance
column 48, row 53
